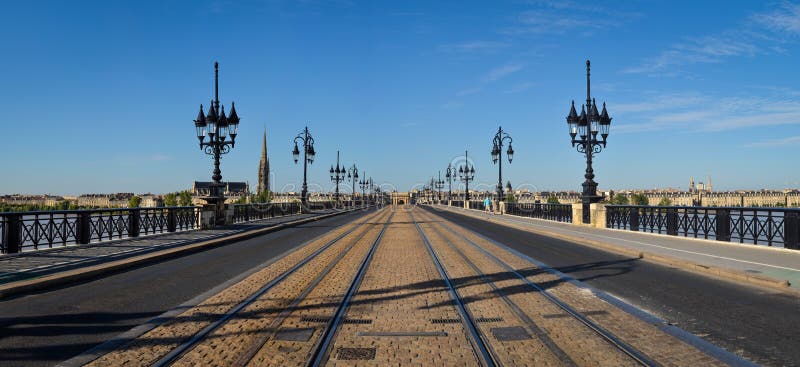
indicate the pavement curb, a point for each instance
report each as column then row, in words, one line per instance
column 71, row 276
column 722, row 273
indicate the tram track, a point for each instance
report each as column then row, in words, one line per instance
column 174, row 358
column 636, row 355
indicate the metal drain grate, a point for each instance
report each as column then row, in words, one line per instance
column 315, row 319
column 352, row 354
column 489, row 319
column 357, row 321
column 510, row 333
column 445, row 321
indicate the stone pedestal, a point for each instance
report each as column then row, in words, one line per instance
column 207, row 218
column 598, row 213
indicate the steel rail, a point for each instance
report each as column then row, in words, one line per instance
column 265, row 336
column 322, row 349
column 480, row 345
column 515, row 309
column 187, row 345
column 626, row 348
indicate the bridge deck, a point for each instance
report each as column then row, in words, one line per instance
column 406, row 287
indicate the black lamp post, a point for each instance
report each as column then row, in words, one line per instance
column 466, row 173
column 450, row 174
column 217, row 126
column 363, row 184
column 497, row 157
column 308, row 158
column 352, row 176
column 337, row 176
column 586, row 127
column 439, row 184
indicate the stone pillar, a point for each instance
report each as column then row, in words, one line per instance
column 229, row 214
column 598, row 215
column 207, row 217
column 577, row 213
column 466, row 204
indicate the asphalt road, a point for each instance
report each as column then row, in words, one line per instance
column 760, row 325
column 51, row 326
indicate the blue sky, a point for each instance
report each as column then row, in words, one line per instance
column 100, row 97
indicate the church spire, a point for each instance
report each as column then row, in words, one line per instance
column 264, row 145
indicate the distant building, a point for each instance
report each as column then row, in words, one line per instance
column 232, row 191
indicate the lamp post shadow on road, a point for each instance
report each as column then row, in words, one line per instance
column 218, row 127
column 586, row 127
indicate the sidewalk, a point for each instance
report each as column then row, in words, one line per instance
column 43, row 266
column 754, row 264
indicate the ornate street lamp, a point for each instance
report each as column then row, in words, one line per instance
column 352, row 176
column 450, row 174
column 218, row 127
column 439, row 184
column 337, row 176
column 586, row 127
column 497, row 157
column 466, row 173
column 363, row 184
column 308, row 158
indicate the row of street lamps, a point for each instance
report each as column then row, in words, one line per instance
column 583, row 131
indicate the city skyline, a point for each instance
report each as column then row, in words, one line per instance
column 401, row 90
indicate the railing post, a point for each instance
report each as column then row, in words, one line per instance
column 791, row 228
column 13, row 233
column 171, row 219
column 84, row 230
column 723, row 230
column 634, row 214
column 133, row 222
column 672, row 221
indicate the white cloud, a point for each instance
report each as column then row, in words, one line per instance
column 695, row 113
column 784, row 19
column 709, row 49
column 792, row 140
column 474, row 46
column 501, row 72
column 519, row 88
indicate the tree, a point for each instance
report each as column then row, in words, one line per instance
column 171, row 199
column 665, row 202
column 263, row 197
column 639, row 199
column 185, row 198
column 553, row 200
column 134, row 201
column 619, row 199
column 510, row 198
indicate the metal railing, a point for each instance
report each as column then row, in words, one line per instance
column 31, row 231
column 777, row 227
column 554, row 212
column 477, row 205
column 256, row 211
column 457, row 203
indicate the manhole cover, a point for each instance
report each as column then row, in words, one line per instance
column 295, row 334
column 350, row 354
column 510, row 333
